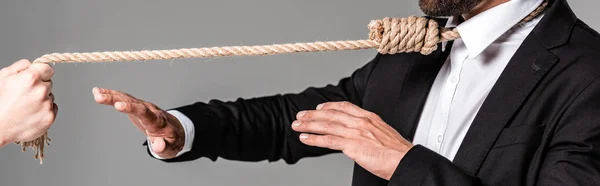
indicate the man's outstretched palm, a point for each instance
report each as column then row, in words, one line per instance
column 164, row 130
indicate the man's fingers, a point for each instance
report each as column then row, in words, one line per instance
column 330, row 116
column 158, row 144
column 51, row 96
column 348, row 108
column 55, row 109
column 44, row 90
column 110, row 97
column 141, row 113
column 107, row 91
column 324, row 128
column 146, row 117
column 107, row 99
column 15, row 68
column 325, row 141
column 45, row 71
column 47, row 86
column 136, row 109
column 364, row 118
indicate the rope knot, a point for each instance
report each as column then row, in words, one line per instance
column 410, row 34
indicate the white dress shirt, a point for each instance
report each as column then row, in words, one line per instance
column 488, row 42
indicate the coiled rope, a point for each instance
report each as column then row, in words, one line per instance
column 388, row 35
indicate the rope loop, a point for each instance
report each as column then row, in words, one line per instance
column 409, row 34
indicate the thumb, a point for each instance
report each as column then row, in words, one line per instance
column 158, row 144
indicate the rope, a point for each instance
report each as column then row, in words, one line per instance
column 388, row 35
column 38, row 145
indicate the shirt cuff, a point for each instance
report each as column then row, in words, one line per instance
column 188, row 128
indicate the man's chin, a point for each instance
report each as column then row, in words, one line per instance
column 446, row 8
column 437, row 13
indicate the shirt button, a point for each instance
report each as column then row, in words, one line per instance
column 440, row 138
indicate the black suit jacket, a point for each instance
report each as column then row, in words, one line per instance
column 540, row 125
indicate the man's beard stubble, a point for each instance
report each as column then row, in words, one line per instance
column 447, row 7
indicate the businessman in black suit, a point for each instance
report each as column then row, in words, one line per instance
column 503, row 105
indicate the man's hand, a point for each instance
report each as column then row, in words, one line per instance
column 164, row 130
column 361, row 135
column 27, row 106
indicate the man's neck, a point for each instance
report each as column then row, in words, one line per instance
column 482, row 7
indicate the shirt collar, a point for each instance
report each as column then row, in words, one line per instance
column 482, row 30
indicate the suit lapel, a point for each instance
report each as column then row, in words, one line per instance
column 526, row 68
column 398, row 89
column 416, row 86
column 408, row 79
column 523, row 73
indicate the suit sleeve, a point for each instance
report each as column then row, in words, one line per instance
column 571, row 159
column 258, row 129
column 574, row 155
column 423, row 166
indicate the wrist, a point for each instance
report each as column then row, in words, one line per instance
column 4, row 139
column 5, row 131
column 175, row 141
column 179, row 132
column 185, row 131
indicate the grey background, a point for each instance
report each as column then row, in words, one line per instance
column 95, row 145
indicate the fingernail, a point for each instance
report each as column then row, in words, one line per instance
column 300, row 114
column 303, row 136
column 320, row 106
column 297, row 123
